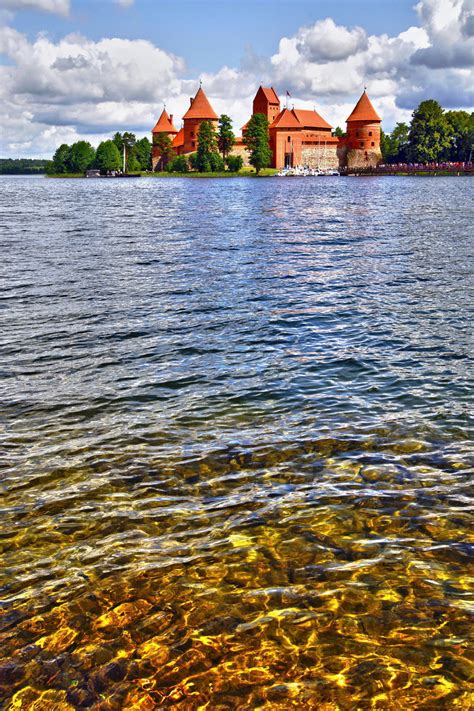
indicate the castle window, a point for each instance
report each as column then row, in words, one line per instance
column 192, row 134
column 373, row 144
column 289, row 139
column 193, row 143
column 362, row 144
column 370, row 133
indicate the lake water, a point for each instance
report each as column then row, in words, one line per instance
column 235, row 455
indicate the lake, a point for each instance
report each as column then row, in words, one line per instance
column 235, row 443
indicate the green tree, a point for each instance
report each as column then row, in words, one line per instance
column 216, row 162
column 179, row 164
column 394, row 146
column 429, row 133
column 399, row 142
column 207, row 145
column 133, row 164
column 235, row 163
column 461, row 128
column 338, row 132
column 256, row 138
column 128, row 140
column 143, row 153
column 60, row 159
column 108, row 157
column 225, row 136
column 164, row 143
column 80, row 157
column 192, row 160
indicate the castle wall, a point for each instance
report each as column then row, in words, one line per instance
column 155, row 157
column 359, row 158
column 317, row 157
column 283, row 143
column 191, row 130
column 239, row 149
column 342, row 150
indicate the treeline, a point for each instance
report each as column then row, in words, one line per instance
column 434, row 135
column 214, row 151
column 108, row 156
column 213, row 154
column 22, row 166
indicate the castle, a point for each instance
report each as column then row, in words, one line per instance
column 297, row 137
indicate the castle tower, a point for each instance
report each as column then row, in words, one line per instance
column 199, row 110
column 363, row 135
column 266, row 102
column 163, row 125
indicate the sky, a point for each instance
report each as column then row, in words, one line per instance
column 83, row 69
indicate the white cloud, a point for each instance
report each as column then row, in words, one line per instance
column 325, row 41
column 433, row 60
column 59, row 7
column 125, row 3
column 450, row 27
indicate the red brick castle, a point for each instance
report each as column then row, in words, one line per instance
column 297, row 137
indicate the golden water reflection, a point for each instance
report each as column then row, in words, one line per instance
column 297, row 577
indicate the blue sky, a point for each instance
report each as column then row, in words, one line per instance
column 83, row 69
column 210, row 33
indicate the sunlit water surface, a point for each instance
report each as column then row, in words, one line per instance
column 235, row 443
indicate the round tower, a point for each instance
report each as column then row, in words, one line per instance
column 363, row 135
column 199, row 110
column 163, row 125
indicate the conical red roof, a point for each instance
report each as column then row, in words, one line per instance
column 164, row 124
column 200, row 107
column 364, row 111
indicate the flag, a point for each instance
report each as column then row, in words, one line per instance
column 288, row 93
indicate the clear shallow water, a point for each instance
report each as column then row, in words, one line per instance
column 235, row 459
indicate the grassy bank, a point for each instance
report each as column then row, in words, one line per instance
column 244, row 173
column 66, row 175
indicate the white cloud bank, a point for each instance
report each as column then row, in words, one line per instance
column 55, row 92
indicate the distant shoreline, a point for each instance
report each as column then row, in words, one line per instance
column 270, row 173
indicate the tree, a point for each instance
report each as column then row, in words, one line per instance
column 81, row 156
column 163, row 142
column 394, row 146
column 133, row 164
column 235, row 163
column 429, row 133
column 461, row 128
column 60, row 159
column 128, row 140
column 108, row 157
column 216, row 162
column 256, row 138
column 143, row 153
column 207, row 144
column 179, row 164
column 225, row 137
column 338, row 132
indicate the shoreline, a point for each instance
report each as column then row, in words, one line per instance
column 268, row 173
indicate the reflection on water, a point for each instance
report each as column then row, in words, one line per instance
column 235, row 444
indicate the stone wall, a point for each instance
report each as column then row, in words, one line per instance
column 240, row 150
column 363, row 159
column 316, row 157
